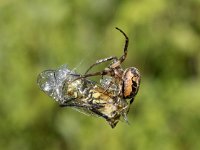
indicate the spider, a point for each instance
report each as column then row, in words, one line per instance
column 128, row 80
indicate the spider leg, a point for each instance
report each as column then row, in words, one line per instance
column 123, row 57
column 102, row 73
column 118, row 61
column 101, row 61
column 132, row 100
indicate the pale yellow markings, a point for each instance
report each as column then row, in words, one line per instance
column 96, row 95
column 75, row 94
column 109, row 109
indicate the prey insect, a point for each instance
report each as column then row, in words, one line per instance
column 107, row 99
column 83, row 95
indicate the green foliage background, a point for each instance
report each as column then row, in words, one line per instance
column 164, row 46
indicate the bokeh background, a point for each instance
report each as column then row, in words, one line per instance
column 44, row 34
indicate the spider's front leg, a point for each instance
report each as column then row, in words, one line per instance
column 101, row 73
column 123, row 57
column 101, row 61
column 117, row 62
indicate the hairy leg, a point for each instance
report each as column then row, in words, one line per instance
column 123, row 57
column 101, row 61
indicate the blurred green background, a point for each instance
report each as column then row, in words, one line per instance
column 44, row 34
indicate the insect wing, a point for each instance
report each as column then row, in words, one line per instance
column 51, row 81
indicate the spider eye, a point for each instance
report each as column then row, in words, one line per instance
column 131, row 82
